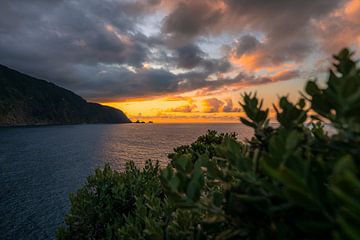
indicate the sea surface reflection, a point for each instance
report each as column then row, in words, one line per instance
column 40, row 166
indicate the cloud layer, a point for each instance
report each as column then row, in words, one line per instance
column 119, row 49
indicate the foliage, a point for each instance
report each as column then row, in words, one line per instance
column 203, row 144
column 293, row 181
column 116, row 205
column 289, row 182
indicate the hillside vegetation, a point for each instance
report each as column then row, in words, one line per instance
column 293, row 181
column 25, row 100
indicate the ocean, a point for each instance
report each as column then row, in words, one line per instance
column 40, row 166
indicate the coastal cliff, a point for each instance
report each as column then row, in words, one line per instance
column 25, row 100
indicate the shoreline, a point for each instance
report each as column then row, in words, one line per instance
column 54, row 124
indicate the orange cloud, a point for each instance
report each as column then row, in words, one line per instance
column 285, row 75
column 352, row 11
column 178, row 98
column 214, row 105
column 341, row 28
column 247, row 61
column 259, row 60
column 229, row 106
column 184, row 108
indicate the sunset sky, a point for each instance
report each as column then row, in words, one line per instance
column 177, row 60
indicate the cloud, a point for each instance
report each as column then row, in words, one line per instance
column 285, row 75
column 55, row 40
column 158, row 82
column 183, row 109
column 188, row 20
column 245, row 44
column 115, row 50
column 142, row 83
column 212, row 105
column 179, row 98
column 342, row 28
column 189, row 56
column 229, row 106
column 286, row 26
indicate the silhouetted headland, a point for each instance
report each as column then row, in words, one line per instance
column 25, row 101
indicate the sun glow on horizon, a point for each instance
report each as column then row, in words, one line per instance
column 207, row 108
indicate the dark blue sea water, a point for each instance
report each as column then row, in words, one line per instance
column 40, row 166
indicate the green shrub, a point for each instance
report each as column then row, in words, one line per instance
column 127, row 205
column 115, row 205
column 290, row 182
column 203, row 144
column 293, row 181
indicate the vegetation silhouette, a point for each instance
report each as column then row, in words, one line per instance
column 292, row 181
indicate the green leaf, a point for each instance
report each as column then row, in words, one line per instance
column 193, row 190
column 312, row 89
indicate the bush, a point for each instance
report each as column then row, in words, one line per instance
column 290, row 182
column 115, row 205
column 203, row 144
column 294, row 181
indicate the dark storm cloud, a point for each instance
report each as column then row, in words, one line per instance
column 216, row 65
column 97, row 49
column 51, row 40
column 81, row 45
column 110, row 83
column 188, row 20
column 245, row 44
column 199, row 80
column 153, row 82
column 189, row 56
column 287, row 24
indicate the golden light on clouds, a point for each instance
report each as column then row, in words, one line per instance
column 254, row 62
column 352, row 9
column 180, row 109
column 221, row 107
column 247, row 61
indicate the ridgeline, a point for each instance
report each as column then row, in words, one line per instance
column 25, row 101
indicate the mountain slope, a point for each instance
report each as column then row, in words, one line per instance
column 25, row 100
